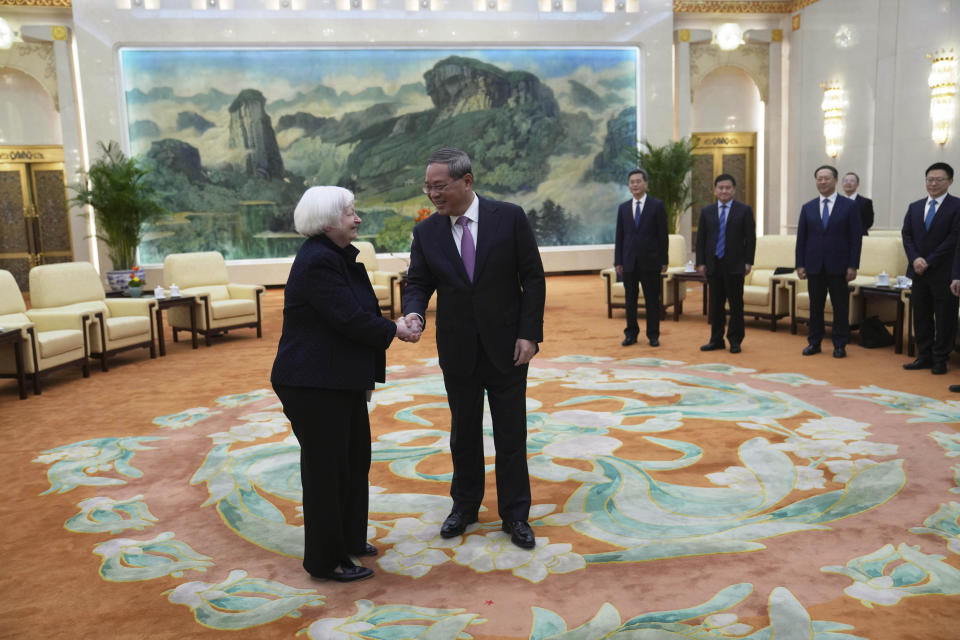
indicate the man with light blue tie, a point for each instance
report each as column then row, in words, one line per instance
column 930, row 233
column 726, row 243
column 829, row 239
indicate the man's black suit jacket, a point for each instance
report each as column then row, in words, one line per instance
column 866, row 213
column 740, row 240
column 334, row 336
column 938, row 245
column 643, row 247
column 503, row 303
column 832, row 250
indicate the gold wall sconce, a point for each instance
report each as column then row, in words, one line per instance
column 834, row 107
column 943, row 94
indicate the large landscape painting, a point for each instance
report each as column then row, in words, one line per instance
column 233, row 137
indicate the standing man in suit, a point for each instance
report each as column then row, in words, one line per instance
column 930, row 233
column 829, row 239
column 850, row 185
column 726, row 242
column 640, row 256
column 481, row 258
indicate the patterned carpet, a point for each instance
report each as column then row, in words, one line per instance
column 676, row 495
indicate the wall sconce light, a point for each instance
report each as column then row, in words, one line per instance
column 834, row 108
column 6, row 34
column 943, row 94
column 728, row 36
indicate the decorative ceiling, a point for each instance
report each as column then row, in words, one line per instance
column 679, row 6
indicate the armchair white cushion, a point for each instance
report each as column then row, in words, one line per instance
column 677, row 257
column 765, row 296
column 50, row 339
column 116, row 324
column 383, row 281
column 221, row 305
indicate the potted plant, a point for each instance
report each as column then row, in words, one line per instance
column 667, row 168
column 123, row 203
column 135, row 283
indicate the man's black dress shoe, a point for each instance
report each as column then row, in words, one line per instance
column 955, row 388
column 456, row 524
column 839, row 352
column 520, row 533
column 734, row 348
column 919, row 363
column 346, row 572
column 368, row 550
column 629, row 340
column 713, row 346
column 654, row 342
column 938, row 368
column 811, row 349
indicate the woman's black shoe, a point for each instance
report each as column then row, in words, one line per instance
column 346, row 572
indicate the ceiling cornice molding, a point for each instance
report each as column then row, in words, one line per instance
column 47, row 4
column 740, row 6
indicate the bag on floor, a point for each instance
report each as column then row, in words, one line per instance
column 873, row 333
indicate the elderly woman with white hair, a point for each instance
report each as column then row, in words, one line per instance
column 332, row 351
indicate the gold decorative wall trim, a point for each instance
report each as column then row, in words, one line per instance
column 739, row 6
column 54, row 4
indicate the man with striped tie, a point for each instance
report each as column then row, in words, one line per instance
column 930, row 231
column 726, row 243
column 829, row 239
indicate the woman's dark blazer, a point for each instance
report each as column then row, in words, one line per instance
column 334, row 336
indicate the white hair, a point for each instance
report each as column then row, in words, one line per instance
column 320, row 208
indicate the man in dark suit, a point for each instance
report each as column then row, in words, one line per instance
column 930, row 232
column 829, row 239
column 726, row 243
column 481, row 258
column 850, row 184
column 640, row 256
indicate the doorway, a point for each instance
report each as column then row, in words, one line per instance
column 34, row 210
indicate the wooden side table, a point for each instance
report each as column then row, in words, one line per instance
column 689, row 276
column 15, row 338
column 890, row 293
column 167, row 303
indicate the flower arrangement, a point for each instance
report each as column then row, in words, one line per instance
column 422, row 215
column 135, row 280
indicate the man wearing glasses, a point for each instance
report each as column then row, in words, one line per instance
column 481, row 258
column 930, row 232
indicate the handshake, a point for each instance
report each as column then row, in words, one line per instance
column 409, row 327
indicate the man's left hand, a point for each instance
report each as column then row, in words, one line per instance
column 523, row 352
column 851, row 274
column 746, row 269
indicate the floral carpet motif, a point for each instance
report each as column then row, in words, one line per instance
column 657, row 488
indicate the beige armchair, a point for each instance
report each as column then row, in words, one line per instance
column 117, row 324
column 383, row 281
column 765, row 295
column 51, row 339
column 880, row 253
column 221, row 305
column 677, row 258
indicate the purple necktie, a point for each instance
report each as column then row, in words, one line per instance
column 467, row 251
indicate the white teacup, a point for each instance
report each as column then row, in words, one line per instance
column 883, row 280
column 158, row 292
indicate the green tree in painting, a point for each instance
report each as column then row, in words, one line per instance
column 667, row 170
column 395, row 235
